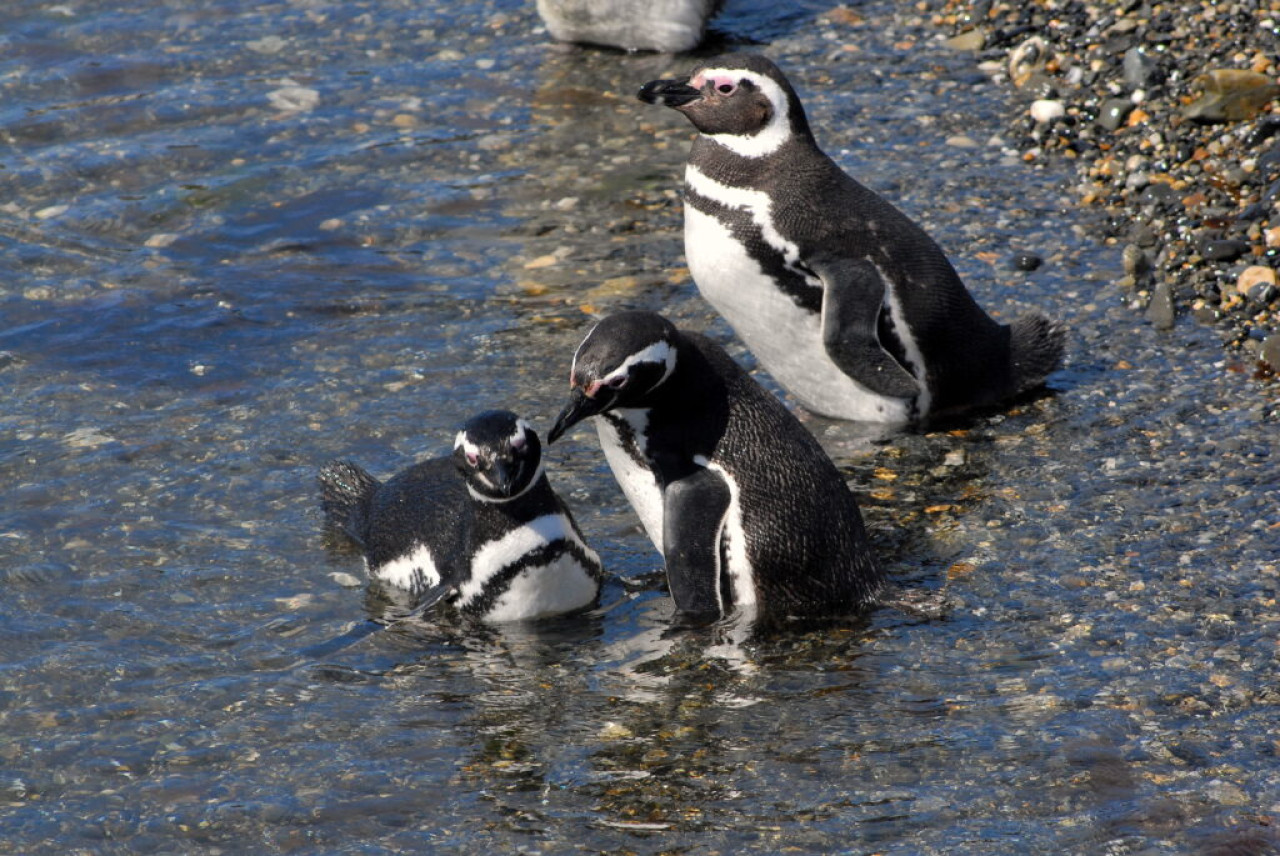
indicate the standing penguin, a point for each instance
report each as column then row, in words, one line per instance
column 842, row 298
column 481, row 529
column 741, row 501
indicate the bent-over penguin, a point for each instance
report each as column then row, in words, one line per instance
column 843, row 298
column 744, row 505
column 481, row 528
column 646, row 25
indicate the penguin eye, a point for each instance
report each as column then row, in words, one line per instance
column 725, row 88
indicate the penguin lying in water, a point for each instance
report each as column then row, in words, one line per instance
column 744, row 505
column 843, row 299
column 480, row 529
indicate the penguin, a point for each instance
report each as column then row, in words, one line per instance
column 845, row 300
column 649, row 25
column 481, row 529
column 747, row 510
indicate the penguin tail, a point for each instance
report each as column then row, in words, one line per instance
column 1036, row 346
column 345, row 492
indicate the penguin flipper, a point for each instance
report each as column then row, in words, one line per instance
column 694, row 509
column 430, row 598
column 853, row 297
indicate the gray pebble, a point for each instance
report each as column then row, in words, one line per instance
column 1113, row 112
column 1160, row 311
column 1270, row 353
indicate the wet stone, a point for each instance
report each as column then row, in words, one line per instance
column 1223, row 249
column 1270, row 353
column 1027, row 262
column 1113, row 112
column 1160, row 311
column 1136, row 261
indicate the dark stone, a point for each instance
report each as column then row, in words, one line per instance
column 1027, row 261
column 1269, row 163
column 1223, row 250
column 1266, row 128
column 1262, row 293
column 1113, row 112
column 1253, row 212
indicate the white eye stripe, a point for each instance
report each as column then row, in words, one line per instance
column 471, row 450
column 520, row 436
column 771, row 136
column 660, row 353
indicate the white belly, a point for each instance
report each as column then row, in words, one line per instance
column 786, row 339
column 636, row 481
column 563, row 585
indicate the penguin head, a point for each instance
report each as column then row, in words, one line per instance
column 621, row 363
column 742, row 101
column 499, row 455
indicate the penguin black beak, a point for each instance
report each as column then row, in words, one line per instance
column 669, row 93
column 579, row 407
column 504, row 476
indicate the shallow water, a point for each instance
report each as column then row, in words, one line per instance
column 242, row 240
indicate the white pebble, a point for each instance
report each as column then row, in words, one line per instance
column 345, row 580
column 160, row 240
column 293, row 99
column 51, row 211
column 1045, row 110
column 266, row 45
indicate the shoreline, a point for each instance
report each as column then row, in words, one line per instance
column 1171, row 118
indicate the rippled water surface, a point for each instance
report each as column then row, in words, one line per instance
column 240, row 239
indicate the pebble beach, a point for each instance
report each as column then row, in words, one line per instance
column 1168, row 112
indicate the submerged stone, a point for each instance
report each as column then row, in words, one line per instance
column 1160, row 311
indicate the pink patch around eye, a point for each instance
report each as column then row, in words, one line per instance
column 722, row 83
